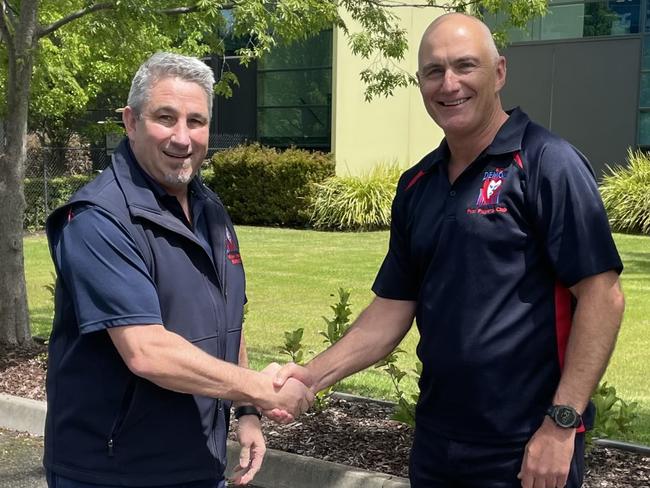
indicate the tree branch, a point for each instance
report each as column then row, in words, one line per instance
column 44, row 31
column 6, row 27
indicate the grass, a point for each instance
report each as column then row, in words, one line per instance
column 293, row 277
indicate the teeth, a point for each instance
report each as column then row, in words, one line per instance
column 455, row 102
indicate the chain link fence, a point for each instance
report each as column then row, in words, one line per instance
column 53, row 174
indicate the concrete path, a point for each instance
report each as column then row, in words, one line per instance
column 20, row 458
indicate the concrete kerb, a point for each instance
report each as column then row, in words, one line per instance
column 280, row 470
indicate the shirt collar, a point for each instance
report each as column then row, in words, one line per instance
column 507, row 140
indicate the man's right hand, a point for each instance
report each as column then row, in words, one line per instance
column 291, row 398
column 282, row 377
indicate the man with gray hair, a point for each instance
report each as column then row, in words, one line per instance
column 147, row 354
column 501, row 250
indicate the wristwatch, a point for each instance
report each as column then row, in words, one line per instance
column 247, row 410
column 564, row 416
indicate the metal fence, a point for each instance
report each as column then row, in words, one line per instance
column 53, row 174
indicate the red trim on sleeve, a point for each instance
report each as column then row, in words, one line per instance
column 419, row 175
column 518, row 160
column 563, row 316
column 563, row 320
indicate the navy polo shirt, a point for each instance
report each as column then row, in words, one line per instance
column 489, row 260
column 106, row 275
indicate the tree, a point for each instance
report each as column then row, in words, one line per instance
column 58, row 55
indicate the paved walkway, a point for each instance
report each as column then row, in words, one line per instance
column 21, row 460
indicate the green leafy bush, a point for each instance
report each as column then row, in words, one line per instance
column 614, row 416
column 356, row 202
column 59, row 190
column 263, row 186
column 626, row 194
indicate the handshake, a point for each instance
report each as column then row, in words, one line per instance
column 291, row 393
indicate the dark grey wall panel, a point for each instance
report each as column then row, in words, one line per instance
column 586, row 91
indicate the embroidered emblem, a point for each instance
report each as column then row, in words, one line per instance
column 491, row 189
column 488, row 196
column 231, row 249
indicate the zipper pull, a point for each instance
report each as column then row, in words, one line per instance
column 110, row 448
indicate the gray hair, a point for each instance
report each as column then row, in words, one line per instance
column 169, row 65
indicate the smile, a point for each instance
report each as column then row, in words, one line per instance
column 454, row 103
column 177, row 156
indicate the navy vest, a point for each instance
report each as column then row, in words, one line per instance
column 104, row 424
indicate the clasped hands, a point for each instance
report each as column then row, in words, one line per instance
column 293, row 392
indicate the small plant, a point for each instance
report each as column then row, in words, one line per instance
column 293, row 345
column 626, row 194
column 336, row 328
column 356, row 202
column 614, row 416
column 405, row 408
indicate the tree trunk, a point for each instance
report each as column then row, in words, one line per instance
column 14, row 315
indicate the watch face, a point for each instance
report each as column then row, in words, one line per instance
column 566, row 417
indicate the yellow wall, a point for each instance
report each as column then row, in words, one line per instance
column 397, row 128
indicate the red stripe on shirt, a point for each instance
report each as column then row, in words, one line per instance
column 419, row 175
column 518, row 160
column 563, row 321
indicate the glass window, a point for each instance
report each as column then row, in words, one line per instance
column 294, row 92
column 563, row 21
column 646, row 52
column 568, row 19
column 301, row 87
column 644, row 129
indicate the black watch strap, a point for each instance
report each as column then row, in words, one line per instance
column 247, row 410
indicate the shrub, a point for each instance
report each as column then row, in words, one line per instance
column 59, row 190
column 356, row 202
column 614, row 416
column 264, row 186
column 626, row 194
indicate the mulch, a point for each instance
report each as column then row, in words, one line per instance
column 359, row 434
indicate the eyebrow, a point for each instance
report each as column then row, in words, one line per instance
column 462, row 59
column 170, row 109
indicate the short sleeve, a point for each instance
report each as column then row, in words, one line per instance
column 571, row 216
column 104, row 274
column 397, row 278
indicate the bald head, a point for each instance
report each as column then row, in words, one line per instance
column 458, row 24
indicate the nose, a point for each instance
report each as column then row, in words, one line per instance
column 450, row 81
column 181, row 133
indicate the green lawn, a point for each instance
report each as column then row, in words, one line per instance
column 293, row 276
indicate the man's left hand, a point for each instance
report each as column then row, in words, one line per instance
column 547, row 458
column 253, row 448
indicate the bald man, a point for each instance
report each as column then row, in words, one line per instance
column 501, row 250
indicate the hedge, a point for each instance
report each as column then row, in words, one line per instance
column 264, row 186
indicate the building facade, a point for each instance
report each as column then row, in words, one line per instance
column 583, row 71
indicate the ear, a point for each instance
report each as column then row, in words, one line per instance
column 501, row 73
column 129, row 118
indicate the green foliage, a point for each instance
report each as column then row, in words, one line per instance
column 293, row 345
column 356, row 202
column 340, row 323
column 265, row 186
column 59, row 191
column 406, row 403
column 614, row 416
column 336, row 328
column 626, row 194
